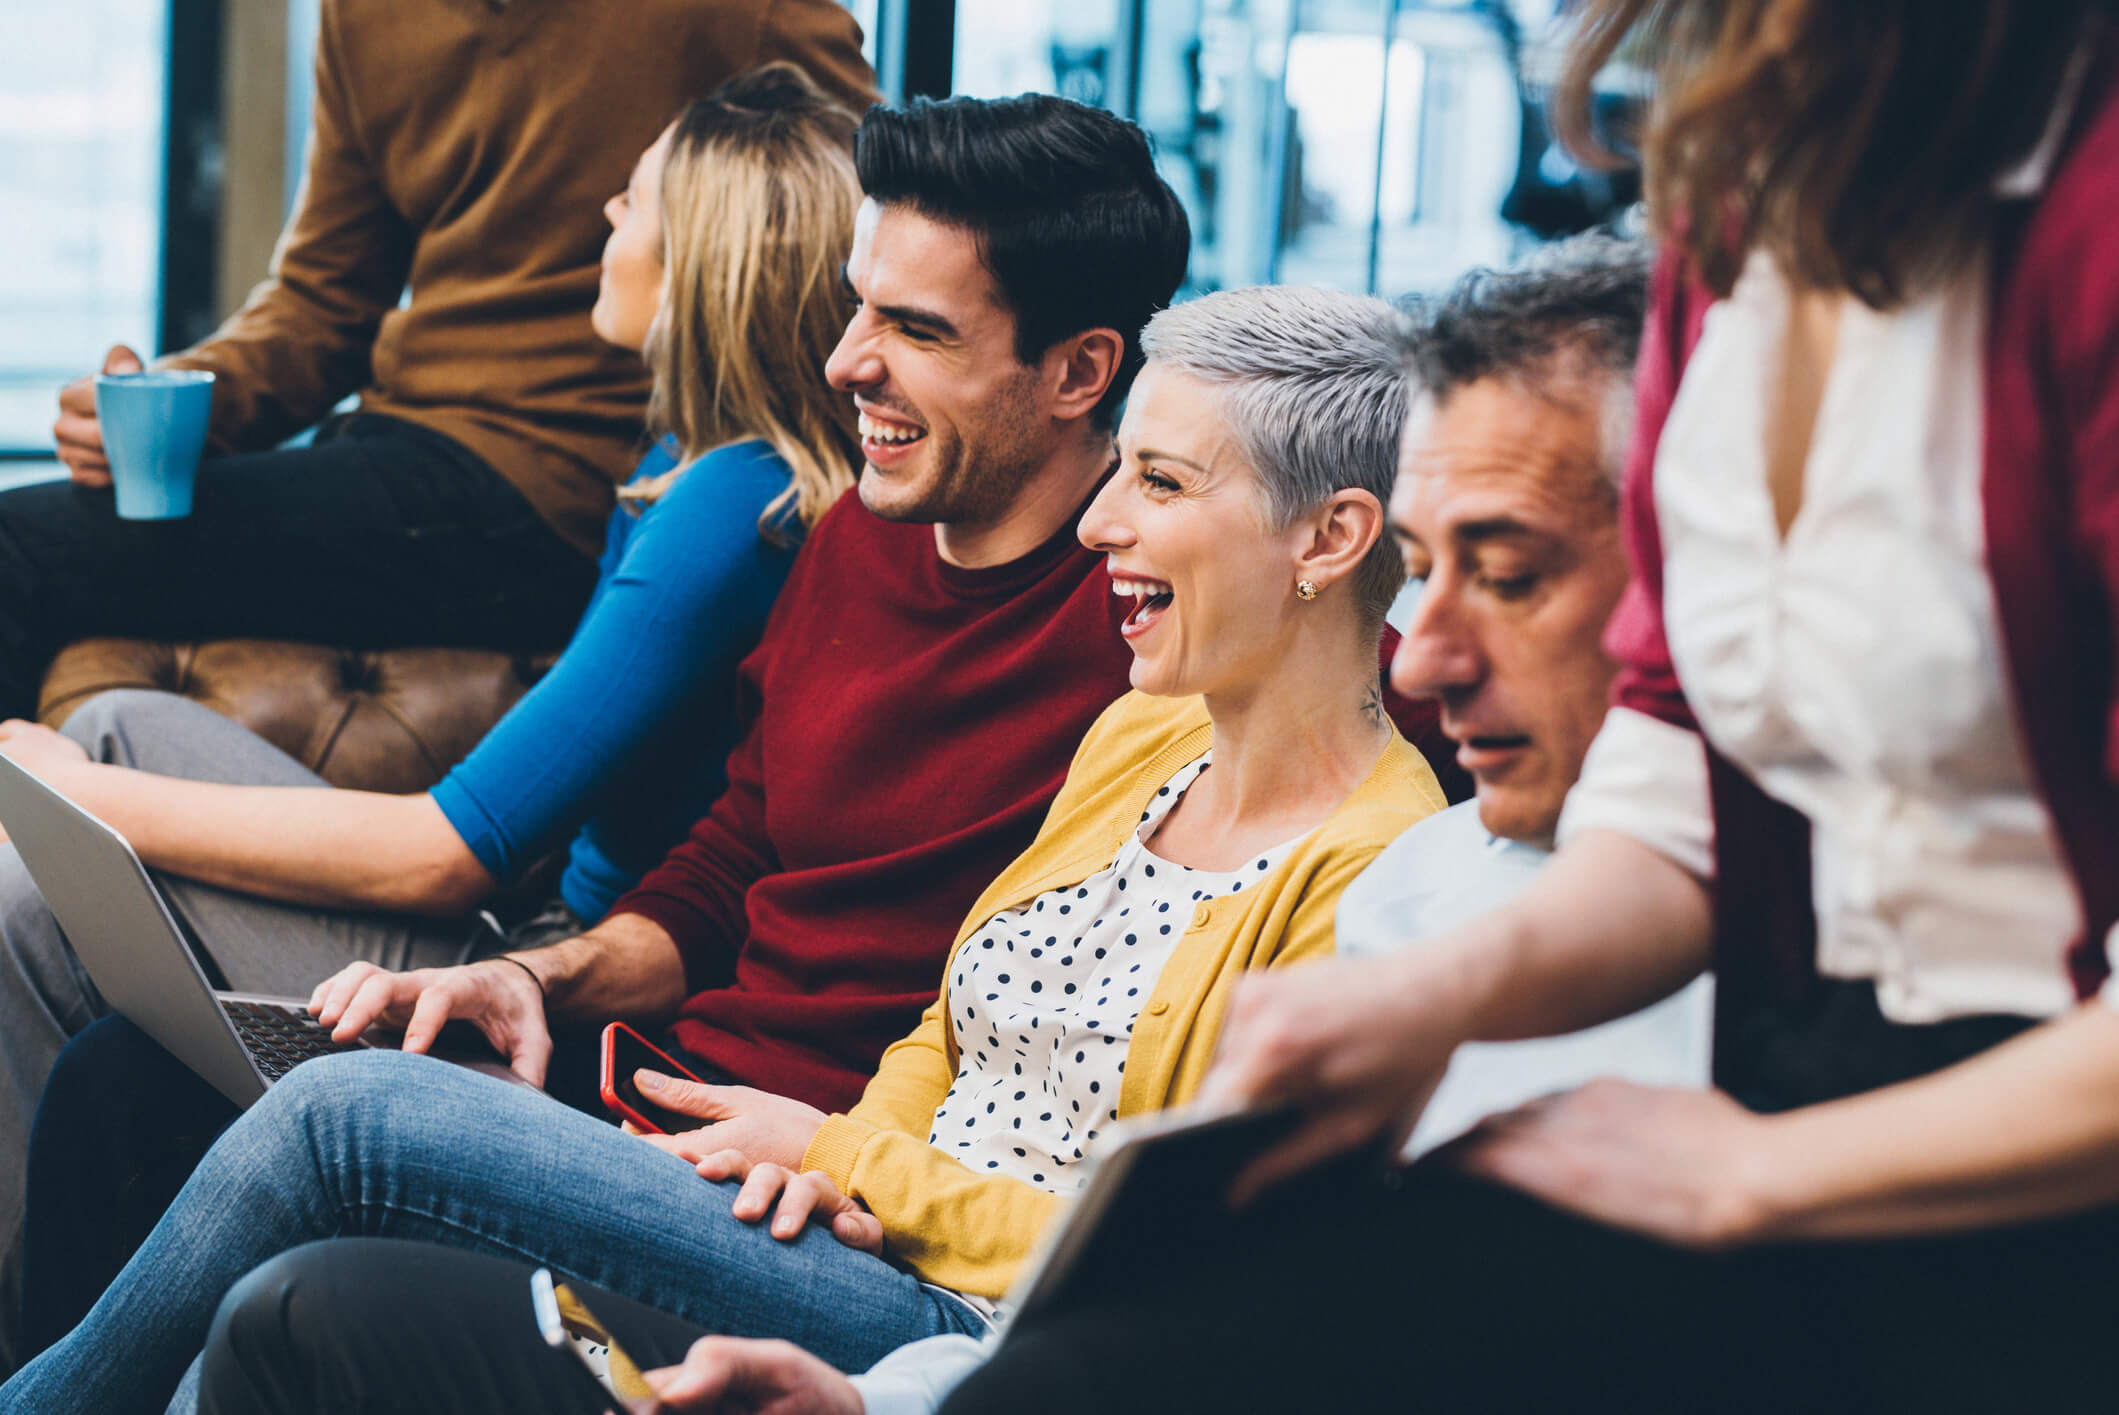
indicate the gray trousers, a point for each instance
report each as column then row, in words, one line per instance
column 256, row 945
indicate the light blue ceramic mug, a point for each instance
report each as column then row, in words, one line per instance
column 154, row 428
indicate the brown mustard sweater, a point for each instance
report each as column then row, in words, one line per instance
column 466, row 149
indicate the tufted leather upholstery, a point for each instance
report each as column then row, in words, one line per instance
column 393, row 720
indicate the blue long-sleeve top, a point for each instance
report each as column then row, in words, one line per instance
column 625, row 741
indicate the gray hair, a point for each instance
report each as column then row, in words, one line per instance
column 1571, row 312
column 1313, row 388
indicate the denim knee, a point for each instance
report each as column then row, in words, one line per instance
column 321, row 1104
column 349, row 1110
column 344, row 1084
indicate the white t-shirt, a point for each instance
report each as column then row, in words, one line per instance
column 1448, row 870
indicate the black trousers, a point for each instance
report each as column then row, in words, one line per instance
column 379, row 1325
column 380, row 534
column 1450, row 1295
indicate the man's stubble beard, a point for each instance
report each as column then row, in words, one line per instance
column 981, row 490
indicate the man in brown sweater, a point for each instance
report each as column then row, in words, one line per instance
column 462, row 151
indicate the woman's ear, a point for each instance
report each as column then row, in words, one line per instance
column 1083, row 366
column 1340, row 534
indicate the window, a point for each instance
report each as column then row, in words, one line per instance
column 1066, row 47
column 81, row 100
column 1358, row 144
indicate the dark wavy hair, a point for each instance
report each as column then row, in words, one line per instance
column 1069, row 214
column 1567, row 321
column 1858, row 140
column 1582, row 299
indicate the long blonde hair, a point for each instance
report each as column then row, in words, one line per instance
column 758, row 201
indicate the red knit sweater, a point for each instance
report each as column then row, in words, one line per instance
column 909, row 723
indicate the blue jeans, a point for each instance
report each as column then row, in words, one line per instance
column 381, row 1144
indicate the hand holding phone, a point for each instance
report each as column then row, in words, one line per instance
column 762, row 1374
column 763, row 1126
column 625, row 1051
column 568, row 1326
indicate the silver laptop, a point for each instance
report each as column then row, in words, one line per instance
column 123, row 933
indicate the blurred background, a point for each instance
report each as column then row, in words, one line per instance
column 149, row 148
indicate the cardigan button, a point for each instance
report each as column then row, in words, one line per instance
column 1200, row 916
column 1158, row 1008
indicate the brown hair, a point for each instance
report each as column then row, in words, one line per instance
column 758, row 202
column 1857, row 140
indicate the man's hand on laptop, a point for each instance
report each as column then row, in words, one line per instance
column 499, row 996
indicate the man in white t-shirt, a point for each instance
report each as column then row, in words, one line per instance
column 1506, row 509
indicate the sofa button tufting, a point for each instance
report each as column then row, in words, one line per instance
column 390, row 721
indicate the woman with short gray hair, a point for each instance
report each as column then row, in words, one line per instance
column 1312, row 385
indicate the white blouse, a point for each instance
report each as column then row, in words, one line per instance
column 1853, row 669
column 1042, row 1001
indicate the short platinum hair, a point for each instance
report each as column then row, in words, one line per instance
column 1313, row 386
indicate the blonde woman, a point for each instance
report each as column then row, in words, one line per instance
column 724, row 266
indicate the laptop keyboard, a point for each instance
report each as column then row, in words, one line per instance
column 281, row 1038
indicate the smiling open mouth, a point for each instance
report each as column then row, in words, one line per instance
column 1151, row 598
column 886, row 434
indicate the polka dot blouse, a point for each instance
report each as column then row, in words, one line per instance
column 1042, row 1001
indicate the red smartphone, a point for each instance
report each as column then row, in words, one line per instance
column 626, row 1051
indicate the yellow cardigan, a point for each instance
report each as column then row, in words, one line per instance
column 970, row 1231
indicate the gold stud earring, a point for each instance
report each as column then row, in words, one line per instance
column 1305, row 589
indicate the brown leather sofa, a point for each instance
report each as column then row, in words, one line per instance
column 392, row 720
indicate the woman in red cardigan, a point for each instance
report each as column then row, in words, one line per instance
column 1863, row 763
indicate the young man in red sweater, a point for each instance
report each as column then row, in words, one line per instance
column 940, row 648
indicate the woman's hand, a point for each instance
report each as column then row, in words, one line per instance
column 1348, row 1042
column 726, row 1375
column 768, row 1129
column 1681, row 1165
column 793, row 1200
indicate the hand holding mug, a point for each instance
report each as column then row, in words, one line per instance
column 78, row 432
